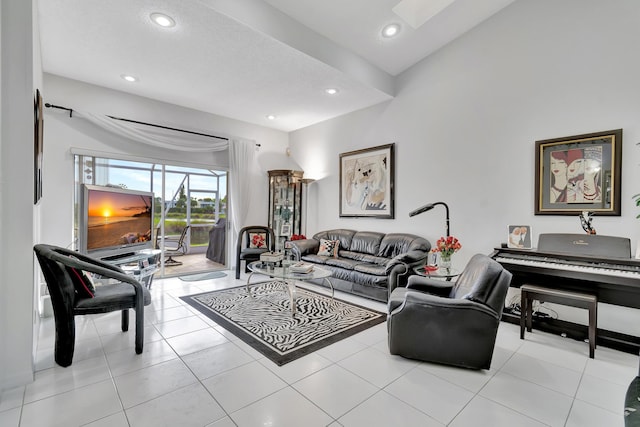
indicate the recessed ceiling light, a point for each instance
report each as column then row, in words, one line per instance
column 331, row 91
column 163, row 20
column 129, row 78
column 271, row 117
column 391, row 30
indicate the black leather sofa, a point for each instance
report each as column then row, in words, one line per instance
column 368, row 263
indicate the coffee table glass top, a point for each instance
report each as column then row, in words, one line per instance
column 285, row 273
column 288, row 278
column 438, row 273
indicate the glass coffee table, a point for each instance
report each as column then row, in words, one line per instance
column 446, row 273
column 288, row 278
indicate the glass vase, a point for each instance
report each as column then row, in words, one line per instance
column 445, row 260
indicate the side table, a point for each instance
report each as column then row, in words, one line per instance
column 142, row 265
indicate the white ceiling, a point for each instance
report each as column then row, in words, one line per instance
column 246, row 59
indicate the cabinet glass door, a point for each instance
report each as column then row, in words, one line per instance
column 285, row 204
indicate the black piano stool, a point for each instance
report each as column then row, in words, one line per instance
column 574, row 299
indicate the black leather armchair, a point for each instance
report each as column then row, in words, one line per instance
column 244, row 251
column 453, row 323
column 126, row 293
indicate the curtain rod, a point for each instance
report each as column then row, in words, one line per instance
column 70, row 110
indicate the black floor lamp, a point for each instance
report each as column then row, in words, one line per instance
column 430, row 206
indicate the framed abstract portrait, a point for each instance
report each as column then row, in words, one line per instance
column 579, row 173
column 366, row 182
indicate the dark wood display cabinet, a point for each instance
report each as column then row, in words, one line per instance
column 285, row 204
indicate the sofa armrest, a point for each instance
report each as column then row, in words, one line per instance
column 400, row 267
column 304, row 247
column 463, row 307
column 409, row 259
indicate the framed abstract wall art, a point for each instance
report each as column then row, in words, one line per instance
column 579, row 173
column 366, row 182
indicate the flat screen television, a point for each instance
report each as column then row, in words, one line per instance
column 114, row 221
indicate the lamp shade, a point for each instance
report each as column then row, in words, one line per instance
column 430, row 206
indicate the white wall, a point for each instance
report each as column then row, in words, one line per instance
column 17, row 77
column 62, row 133
column 465, row 122
column 21, row 223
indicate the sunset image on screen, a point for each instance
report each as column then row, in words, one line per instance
column 116, row 219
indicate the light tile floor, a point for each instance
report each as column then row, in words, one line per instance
column 194, row 373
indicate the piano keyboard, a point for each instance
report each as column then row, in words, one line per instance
column 607, row 269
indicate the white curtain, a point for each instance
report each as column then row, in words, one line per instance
column 241, row 159
column 157, row 137
column 241, row 154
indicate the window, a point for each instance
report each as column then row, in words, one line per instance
column 193, row 197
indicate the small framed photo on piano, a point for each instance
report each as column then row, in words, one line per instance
column 579, row 173
column 519, row 237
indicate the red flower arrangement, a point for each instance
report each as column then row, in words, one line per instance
column 298, row 237
column 447, row 246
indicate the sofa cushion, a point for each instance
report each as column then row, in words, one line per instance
column 317, row 259
column 394, row 244
column 367, row 242
column 366, row 279
column 375, row 269
column 372, row 259
column 339, row 273
column 341, row 234
column 329, row 247
column 345, row 263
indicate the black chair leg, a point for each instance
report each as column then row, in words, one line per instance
column 65, row 342
column 170, row 262
column 139, row 329
column 125, row 320
column 238, row 266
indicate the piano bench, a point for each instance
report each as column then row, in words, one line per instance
column 575, row 299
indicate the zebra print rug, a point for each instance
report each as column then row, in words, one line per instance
column 262, row 318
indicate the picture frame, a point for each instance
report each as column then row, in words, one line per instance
column 38, row 149
column 285, row 230
column 519, row 236
column 579, row 173
column 367, row 182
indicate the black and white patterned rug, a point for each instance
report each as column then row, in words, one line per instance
column 262, row 318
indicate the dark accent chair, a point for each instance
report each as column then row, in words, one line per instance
column 174, row 247
column 453, row 323
column 127, row 293
column 244, row 251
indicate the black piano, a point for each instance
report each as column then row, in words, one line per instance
column 593, row 264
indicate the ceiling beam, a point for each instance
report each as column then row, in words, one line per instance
column 268, row 20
